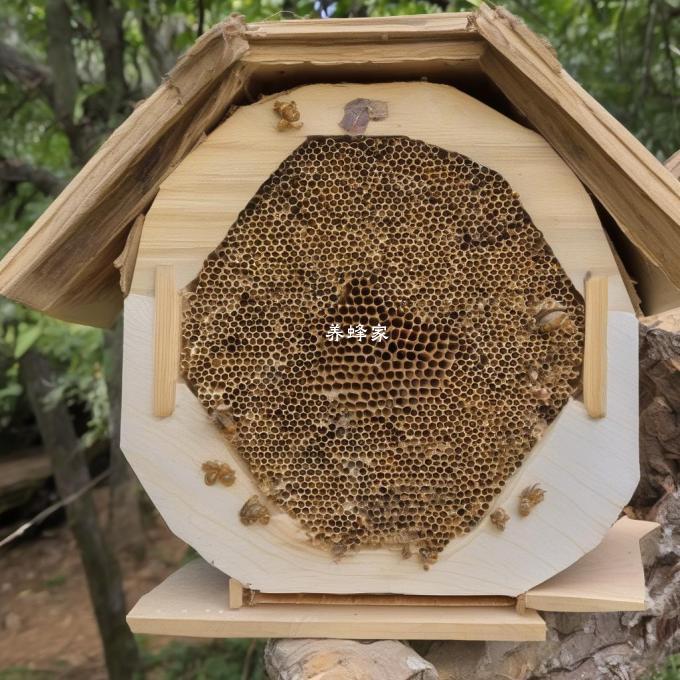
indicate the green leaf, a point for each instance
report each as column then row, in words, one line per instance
column 26, row 338
column 13, row 390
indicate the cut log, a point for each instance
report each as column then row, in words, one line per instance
column 345, row 660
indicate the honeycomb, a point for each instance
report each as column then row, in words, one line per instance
column 401, row 436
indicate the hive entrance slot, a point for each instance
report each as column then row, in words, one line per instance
column 385, row 334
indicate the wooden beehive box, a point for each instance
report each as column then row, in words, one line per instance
column 380, row 324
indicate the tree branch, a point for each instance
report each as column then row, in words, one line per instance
column 30, row 74
column 158, row 41
column 14, row 171
column 71, row 475
column 109, row 22
column 63, row 63
column 201, row 18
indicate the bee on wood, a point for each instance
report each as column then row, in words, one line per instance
column 218, row 472
column 254, row 512
column 530, row 498
column 289, row 115
column 499, row 518
column 428, row 556
column 338, row 550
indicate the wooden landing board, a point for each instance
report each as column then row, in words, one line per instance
column 193, row 602
column 609, row 578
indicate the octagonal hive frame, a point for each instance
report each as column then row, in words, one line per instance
column 402, row 437
column 586, row 484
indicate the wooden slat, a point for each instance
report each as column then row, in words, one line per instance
column 191, row 602
column 429, row 26
column 595, row 349
column 639, row 193
column 521, row 603
column 658, row 293
column 609, row 578
column 284, row 54
column 166, row 341
column 673, row 164
column 64, row 263
column 256, row 598
column 235, row 593
column 125, row 262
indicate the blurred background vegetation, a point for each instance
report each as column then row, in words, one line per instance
column 72, row 70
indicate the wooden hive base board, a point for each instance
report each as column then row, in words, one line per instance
column 609, row 578
column 193, row 602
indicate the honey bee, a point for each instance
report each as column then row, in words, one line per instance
column 218, row 472
column 254, row 512
column 530, row 498
column 289, row 115
column 499, row 518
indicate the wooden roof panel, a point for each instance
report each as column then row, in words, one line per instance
column 64, row 263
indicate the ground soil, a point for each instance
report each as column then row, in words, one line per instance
column 46, row 620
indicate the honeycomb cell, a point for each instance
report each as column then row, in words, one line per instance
column 383, row 335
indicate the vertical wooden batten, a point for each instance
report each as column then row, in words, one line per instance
column 235, row 594
column 595, row 351
column 166, row 341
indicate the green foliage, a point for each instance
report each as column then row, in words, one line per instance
column 625, row 53
column 77, row 350
column 670, row 670
column 218, row 660
column 21, row 673
column 54, row 581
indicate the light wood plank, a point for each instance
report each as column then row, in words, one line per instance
column 235, row 594
column 585, row 492
column 284, row 54
column 190, row 603
column 126, row 261
column 204, row 195
column 595, row 349
column 257, row 599
column 659, row 294
column 521, row 603
column 430, row 26
column 609, row 578
column 167, row 332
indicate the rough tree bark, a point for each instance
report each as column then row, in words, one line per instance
column 621, row 646
column 71, row 475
